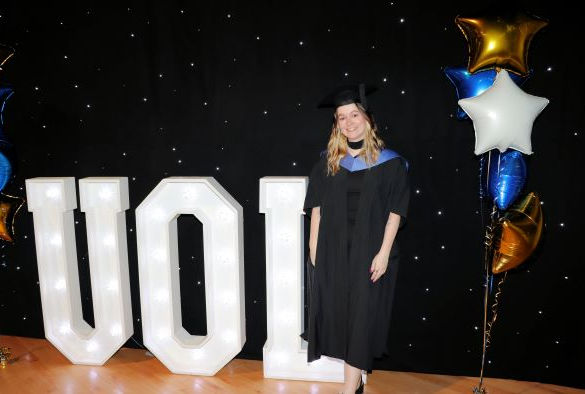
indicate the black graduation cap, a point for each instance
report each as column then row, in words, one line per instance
column 348, row 94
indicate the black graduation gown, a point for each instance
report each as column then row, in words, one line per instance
column 349, row 316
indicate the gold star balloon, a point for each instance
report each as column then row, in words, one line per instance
column 499, row 41
column 517, row 234
column 6, row 53
column 9, row 207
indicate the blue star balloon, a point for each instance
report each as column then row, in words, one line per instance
column 471, row 85
column 5, row 146
column 502, row 176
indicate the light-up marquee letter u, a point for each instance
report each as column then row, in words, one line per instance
column 158, row 262
column 104, row 201
column 285, row 354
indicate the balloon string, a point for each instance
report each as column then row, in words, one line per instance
column 498, row 174
column 495, row 309
column 487, row 178
column 482, row 189
column 483, row 192
column 488, row 242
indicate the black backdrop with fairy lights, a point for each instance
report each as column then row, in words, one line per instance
column 152, row 89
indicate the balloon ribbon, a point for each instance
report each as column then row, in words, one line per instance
column 488, row 325
column 488, row 251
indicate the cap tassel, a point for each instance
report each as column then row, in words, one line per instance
column 363, row 95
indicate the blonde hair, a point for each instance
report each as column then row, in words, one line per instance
column 337, row 146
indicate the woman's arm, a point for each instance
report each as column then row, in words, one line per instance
column 380, row 262
column 314, row 233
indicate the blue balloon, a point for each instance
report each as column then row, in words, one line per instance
column 5, row 169
column 5, row 146
column 471, row 85
column 506, row 175
column 5, row 93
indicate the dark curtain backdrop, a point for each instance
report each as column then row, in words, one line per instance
column 228, row 89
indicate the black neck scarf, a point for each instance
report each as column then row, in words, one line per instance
column 355, row 144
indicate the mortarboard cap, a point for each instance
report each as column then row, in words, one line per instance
column 347, row 94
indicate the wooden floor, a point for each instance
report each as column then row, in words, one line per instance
column 37, row 367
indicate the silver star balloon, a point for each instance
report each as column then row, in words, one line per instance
column 503, row 116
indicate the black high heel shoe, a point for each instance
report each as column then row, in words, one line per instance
column 360, row 389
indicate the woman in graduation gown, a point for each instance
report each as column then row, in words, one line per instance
column 357, row 197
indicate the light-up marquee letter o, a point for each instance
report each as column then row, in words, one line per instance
column 158, row 263
column 104, row 201
column 285, row 354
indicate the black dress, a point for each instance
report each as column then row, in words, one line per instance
column 349, row 316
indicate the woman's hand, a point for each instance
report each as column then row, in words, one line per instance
column 314, row 235
column 380, row 261
column 379, row 266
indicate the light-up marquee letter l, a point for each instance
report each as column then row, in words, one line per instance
column 104, row 201
column 285, row 354
column 158, row 263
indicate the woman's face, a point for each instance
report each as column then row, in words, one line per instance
column 352, row 122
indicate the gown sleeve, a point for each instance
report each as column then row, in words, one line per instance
column 399, row 195
column 315, row 188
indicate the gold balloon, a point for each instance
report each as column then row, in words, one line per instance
column 9, row 207
column 517, row 234
column 5, row 54
column 499, row 41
